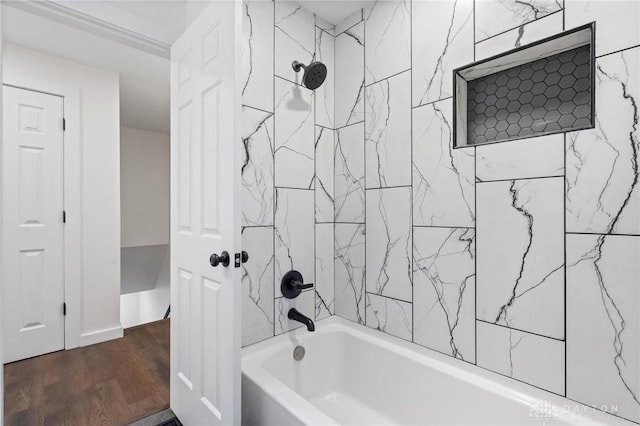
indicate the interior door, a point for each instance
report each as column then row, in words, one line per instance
column 205, row 180
column 32, row 203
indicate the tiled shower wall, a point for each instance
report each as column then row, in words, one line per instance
column 521, row 257
column 287, row 173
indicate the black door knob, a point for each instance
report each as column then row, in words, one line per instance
column 223, row 259
column 245, row 256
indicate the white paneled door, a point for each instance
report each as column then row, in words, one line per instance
column 205, row 219
column 32, row 206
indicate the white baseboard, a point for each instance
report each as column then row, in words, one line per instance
column 100, row 336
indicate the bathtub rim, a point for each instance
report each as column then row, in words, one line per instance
column 254, row 355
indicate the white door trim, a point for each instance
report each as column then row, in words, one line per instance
column 72, row 190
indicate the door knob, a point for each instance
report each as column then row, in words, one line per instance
column 223, row 259
column 245, row 256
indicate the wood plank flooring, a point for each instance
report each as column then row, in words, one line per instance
column 111, row 383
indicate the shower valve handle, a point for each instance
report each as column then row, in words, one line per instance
column 292, row 284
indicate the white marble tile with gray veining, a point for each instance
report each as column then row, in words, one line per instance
column 324, row 95
column 536, row 360
column 294, row 231
column 520, row 36
column 325, row 266
column 350, row 271
column 442, row 41
column 257, row 54
column 257, row 167
column 349, row 174
column 525, row 158
column 324, row 181
column 495, row 16
column 349, row 82
column 603, row 322
column 444, row 290
column 388, row 132
column 617, row 22
column 257, row 285
column 520, row 261
column 389, row 242
column 388, row 46
column 295, row 35
column 389, row 316
column 295, row 135
column 304, row 303
column 603, row 174
column 443, row 178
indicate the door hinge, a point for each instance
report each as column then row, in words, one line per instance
column 64, row 309
column 64, row 124
column 64, row 216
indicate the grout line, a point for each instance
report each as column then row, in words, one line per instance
column 387, row 297
column 431, row 102
column 520, row 178
column 520, row 330
column 617, row 51
column 411, row 236
column 257, row 109
column 564, row 241
column 387, row 78
column 602, row 233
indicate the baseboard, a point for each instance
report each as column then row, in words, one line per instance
column 100, row 336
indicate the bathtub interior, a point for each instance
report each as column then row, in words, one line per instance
column 341, row 375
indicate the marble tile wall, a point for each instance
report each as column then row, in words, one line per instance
column 520, row 257
column 288, row 176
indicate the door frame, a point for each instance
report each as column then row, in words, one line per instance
column 72, row 197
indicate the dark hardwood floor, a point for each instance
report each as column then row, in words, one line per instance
column 111, row 383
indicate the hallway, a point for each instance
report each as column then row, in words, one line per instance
column 111, row 383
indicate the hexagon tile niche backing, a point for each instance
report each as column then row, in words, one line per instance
column 544, row 96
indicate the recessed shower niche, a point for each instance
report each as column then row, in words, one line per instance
column 542, row 88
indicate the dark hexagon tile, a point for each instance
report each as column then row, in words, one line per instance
column 567, row 94
column 502, row 79
column 582, row 70
column 567, row 121
column 552, row 92
column 491, row 100
column 567, row 81
column 538, row 76
column 547, row 95
column 582, row 111
column 513, row 95
column 538, row 88
column 490, row 134
column 552, row 78
column 513, row 130
column 514, row 106
column 567, row 68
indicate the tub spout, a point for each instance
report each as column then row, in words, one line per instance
column 295, row 315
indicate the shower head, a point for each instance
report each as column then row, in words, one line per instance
column 314, row 73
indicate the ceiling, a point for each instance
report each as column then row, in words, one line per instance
column 144, row 77
column 334, row 11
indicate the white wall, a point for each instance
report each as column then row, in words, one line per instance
column 99, row 314
column 144, row 187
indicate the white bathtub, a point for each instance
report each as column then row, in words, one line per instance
column 352, row 375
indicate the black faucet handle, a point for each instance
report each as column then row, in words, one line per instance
column 300, row 286
column 292, row 284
